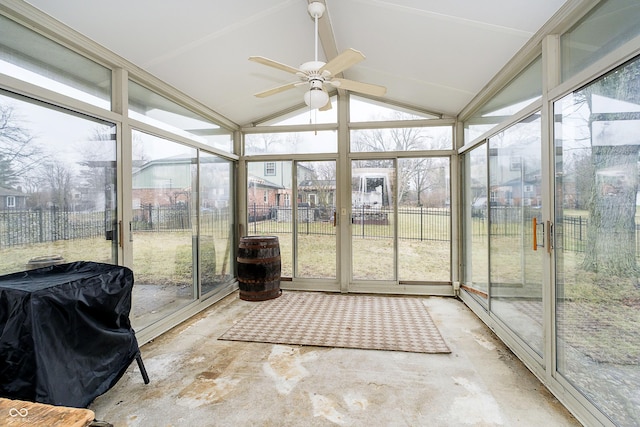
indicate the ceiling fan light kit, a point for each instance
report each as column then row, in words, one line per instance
column 316, row 97
column 316, row 73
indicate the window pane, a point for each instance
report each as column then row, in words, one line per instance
column 316, row 230
column 162, row 195
column 28, row 56
column 608, row 26
column 57, row 186
column 372, row 220
column 368, row 110
column 402, row 139
column 269, row 209
column 515, row 183
column 216, row 222
column 596, row 242
column 476, row 224
column 149, row 107
column 291, row 143
column 424, row 220
column 304, row 116
column 524, row 89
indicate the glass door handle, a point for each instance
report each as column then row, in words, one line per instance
column 534, row 223
column 546, row 237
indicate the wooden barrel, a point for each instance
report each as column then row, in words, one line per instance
column 259, row 268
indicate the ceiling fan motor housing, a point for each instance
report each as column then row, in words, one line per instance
column 315, row 84
column 311, row 66
column 316, row 9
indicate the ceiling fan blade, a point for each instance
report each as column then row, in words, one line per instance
column 343, row 61
column 275, row 90
column 365, row 88
column 327, row 107
column 275, row 64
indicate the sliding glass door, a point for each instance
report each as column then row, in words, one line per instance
column 316, row 220
column 597, row 146
column 516, row 243
column 301, row 215
column 424, row 220
column 215, row 222
column 162, row 231
column 373, row 232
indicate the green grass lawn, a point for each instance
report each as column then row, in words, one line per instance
column 16, row 258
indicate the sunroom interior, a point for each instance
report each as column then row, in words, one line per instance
column 499, row 167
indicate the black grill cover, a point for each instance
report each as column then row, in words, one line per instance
column 65, row 333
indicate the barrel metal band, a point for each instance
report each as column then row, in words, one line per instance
column 245, row 245
column 258, row 260
column 261, row 281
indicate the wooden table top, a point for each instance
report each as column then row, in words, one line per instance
column 21, row 413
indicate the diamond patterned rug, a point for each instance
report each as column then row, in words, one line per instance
column 347, row 321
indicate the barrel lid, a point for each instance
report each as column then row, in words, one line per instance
column 259, row 238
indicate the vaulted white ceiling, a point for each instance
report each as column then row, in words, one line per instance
column 435, row 55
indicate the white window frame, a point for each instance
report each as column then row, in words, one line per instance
column 269, row 168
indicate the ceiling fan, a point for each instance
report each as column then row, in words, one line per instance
column 317, row 74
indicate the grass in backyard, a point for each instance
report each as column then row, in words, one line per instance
column 317, row 256
column 16, row 258
column 606, row 331
column 168, row 257
column 158, row 257
column 426, row 260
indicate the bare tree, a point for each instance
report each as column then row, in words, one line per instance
column 293, row 139
column 98, row 169
column 260, row 143
column 389, row 139
column 422, row 181
column 18, row 153
column 57, row 178
column 611, row 233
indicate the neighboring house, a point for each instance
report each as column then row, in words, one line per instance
column 86, row 199
column 277, row 173
column 317, row 192
column 519, row 180
column 12, row 199
column 169, row 181
column 517, row 192
column 277, row 179
column 163, row 182
column 262, row 196
column 373, row 186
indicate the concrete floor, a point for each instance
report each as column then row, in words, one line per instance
column 197, row 380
